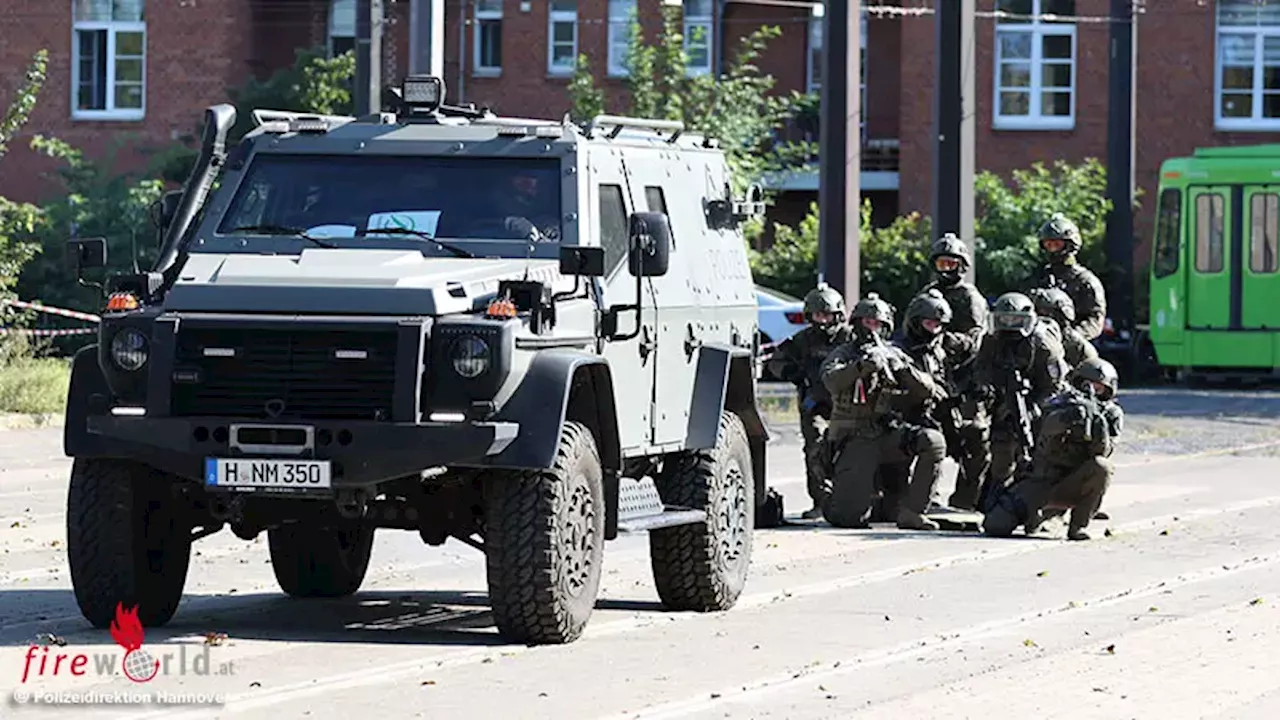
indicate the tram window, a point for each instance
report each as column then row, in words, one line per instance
column 1168, row 229
column 1209, row 231
column 1264, row 218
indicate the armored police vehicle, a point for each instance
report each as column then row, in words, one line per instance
column 526, row 335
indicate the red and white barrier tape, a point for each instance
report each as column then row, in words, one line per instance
column 48, row 333
column 52, row 310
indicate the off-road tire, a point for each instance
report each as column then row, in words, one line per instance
column 544, row 543
column 127, row 542
column 320, row 562
column 703, row 567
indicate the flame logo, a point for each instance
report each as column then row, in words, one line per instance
column 127, row 631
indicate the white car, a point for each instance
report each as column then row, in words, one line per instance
column 780, row 317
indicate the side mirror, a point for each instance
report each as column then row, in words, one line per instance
column 752, row 204
column 582, row 261
column 84, row 253
column 650, row 254
column 168, row 208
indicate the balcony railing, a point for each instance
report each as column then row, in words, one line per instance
column 878, row 154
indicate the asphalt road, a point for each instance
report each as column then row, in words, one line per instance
column 1174, row 613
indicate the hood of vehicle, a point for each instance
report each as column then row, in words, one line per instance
column 346, row 281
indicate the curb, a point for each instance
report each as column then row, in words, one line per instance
column 22, row 421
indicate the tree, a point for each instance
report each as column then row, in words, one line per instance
column 735, row 108
column 315, row 83
column 587, row 99
column 18, row 221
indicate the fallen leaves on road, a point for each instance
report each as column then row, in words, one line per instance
column 427, row 682
column 214, row 638
column 50, row 639
column 1153, row 608
column 1256, row 601
column 1110, row 649
column 1042, row 573
column 1164, row 532
column 1030, row 643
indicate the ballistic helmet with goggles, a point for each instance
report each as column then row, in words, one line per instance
column 927, row 314
column 949, row 257
column 1100, row 374
column 824, row 299
column 1014, row 312
column 1059, row 236
column 872, row 308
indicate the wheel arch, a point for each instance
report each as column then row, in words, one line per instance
column 726, row 381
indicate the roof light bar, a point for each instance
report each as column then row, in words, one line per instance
column 422, row 92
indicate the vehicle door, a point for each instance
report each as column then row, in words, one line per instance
column 1209, row 276
column 1169, row 268
column 1260, row 260
column 678, row 303
column 631, row 360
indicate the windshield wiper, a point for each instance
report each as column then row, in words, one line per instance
column 283, row 230
column 454, row 249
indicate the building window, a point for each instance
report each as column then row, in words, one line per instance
column 622, row 13
column 562, row 37
column 342, row 27
column 1264, row 216
column 816, row 28
column 1248, row 75
column 488, row 40
column 1209, row 230
column 1168, row 233
column 1035, row 65
column 698, row 36
column 108, row 60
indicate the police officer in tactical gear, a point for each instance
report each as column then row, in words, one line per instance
column 965, row 423
column 1054, row 305
column 1022, row 367
column 1060, row 242
column 872, row 383
column 1071, row 470
column 798, row 360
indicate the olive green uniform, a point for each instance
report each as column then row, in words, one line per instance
column 870, row 382
column 1070, row 470
column 1038, row 356
column 930, row 357
column 1055, row 307
column 798, row 360
column 964, row 418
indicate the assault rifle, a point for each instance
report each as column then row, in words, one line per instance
column 1018, row 415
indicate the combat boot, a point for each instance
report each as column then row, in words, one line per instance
column 1077, row 534
column 908, row 520
column 813, row 513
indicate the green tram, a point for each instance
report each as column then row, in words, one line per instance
column 1215, row 288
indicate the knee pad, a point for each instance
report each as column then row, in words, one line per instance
column 999, row 522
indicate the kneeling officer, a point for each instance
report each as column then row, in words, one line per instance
column 870, row 382
column 1070, row 469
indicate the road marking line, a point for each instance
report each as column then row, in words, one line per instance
column 396, row 671
column 932, row 643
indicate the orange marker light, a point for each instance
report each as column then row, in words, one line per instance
column 122, row 301
column 501, row 309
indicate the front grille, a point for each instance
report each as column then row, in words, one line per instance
column 293, row 374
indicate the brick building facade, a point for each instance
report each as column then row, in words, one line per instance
column 1208, row 72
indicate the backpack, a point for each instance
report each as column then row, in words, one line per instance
column 1070, row 416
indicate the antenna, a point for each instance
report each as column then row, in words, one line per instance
column 133, row 248
column 535, row 236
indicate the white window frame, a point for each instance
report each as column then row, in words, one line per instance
column 1258, row 34
column 1037, row 30
column 113, row 28
column 706, row 24
column 618, row 29
column 561, row 17
column 479, row 17
column 334, row 31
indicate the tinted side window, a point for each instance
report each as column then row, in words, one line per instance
column 656, row 200
column 1168, row 229
column 1209, row 230
column 613, row 225
column 1264, row 223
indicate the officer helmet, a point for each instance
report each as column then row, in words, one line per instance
column 1060, row 228
column 871, row 307
column 927, row 314
column 1014, row 312
column 824, row 299
column 949, row 256
column 1099, row 373
column 1054, row 303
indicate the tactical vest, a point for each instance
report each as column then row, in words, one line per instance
column 860, row 407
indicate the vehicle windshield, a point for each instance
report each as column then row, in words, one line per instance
column 488, row 206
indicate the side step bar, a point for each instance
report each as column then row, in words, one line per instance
column 640, row 508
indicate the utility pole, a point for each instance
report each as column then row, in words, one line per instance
column 953, row 121
column 369, row 25
column 426, row 37
column 1120, row 109
column 840, row 149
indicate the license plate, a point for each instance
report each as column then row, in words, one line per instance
column 267, row 473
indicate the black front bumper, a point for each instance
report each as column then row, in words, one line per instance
column 363, row 453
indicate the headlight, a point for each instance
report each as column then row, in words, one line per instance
column 129, row 349
column 470, row 356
